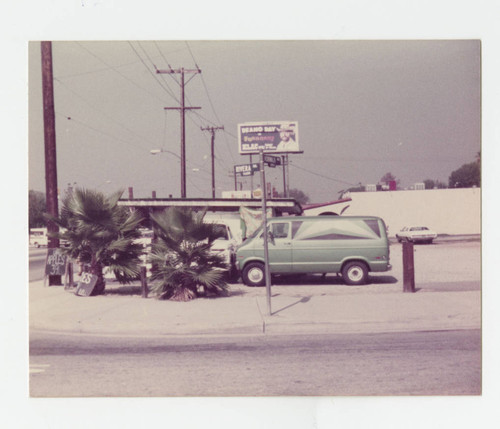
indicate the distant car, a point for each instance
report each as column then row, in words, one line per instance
column 38, row 237
column 416, row 234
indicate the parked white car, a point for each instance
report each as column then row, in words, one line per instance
column 38, row 237
column 225, row 246
column 416, row 234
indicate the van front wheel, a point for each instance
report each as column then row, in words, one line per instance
column 254, row 274
column 355, row 273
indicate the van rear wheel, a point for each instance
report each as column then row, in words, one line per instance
column 254, row 274
column 355, row 273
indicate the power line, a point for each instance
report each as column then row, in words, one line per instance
column 323, row 176
column 119, row 73
column 101, row 112
column 210, row 100
column 163, row 56
column 72, row 119
column 167, row 89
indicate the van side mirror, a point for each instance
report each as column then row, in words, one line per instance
column 270, row 236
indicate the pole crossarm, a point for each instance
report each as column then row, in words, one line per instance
column 181, row 108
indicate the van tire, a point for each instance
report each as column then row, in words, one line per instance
column 355, row 273
column 254, row 274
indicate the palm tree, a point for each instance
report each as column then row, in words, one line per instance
column 101, row 234
column 181, row 256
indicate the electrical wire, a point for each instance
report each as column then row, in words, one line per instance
column 101, row 112
column 120, row 73
column 167, row 88
column 83, row 124
column 163, row 56
column 323, row 176
column 209, row 98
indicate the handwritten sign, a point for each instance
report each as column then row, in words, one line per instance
column 86, row 284
column 56, row 263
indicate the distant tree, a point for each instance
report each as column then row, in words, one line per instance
column 37, row 206
column 387, row 177
column 467, row 176
column 432, row 184
column 299, row 195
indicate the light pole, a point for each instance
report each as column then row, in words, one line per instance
column 157, row 151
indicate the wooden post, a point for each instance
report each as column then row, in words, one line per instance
column 69, row 274
column 144, row 283
column 50, row 150
column 408, row 267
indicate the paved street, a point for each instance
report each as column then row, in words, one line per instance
column 323, row 338
column 415, row 363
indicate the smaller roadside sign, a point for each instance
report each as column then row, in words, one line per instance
column 56, row 262
column 272, row 161
column 86, row 285
column 246, row 169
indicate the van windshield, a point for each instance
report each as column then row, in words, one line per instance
column 255, row 233
column 221, row 232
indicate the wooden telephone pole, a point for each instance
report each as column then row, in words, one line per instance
column 50, row 149
column 182, row 108
column 212, row 146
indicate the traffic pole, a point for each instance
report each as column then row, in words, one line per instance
column 265, row 237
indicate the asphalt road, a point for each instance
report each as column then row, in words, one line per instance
column 415, row 363
column 37, row 263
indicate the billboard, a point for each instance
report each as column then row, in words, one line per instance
column 278, row 136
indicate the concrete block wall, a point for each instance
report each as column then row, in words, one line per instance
column 446, row 211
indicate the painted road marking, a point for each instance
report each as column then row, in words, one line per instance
column 37, row 368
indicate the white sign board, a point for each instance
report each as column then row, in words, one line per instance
column 236, row 194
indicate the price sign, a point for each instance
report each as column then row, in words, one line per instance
column 86, row 284
column 56, row 263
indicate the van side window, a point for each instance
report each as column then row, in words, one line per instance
column 280, row 230
column 295, row 227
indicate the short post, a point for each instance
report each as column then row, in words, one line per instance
column 408, row 267
column 70, row 273
column 144, row 283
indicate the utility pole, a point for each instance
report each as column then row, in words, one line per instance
column 182, row 71
column 50, row 149
column 212, row 146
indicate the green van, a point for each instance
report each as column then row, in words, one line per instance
column 350, row 245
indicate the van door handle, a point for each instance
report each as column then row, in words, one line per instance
column 287, row 243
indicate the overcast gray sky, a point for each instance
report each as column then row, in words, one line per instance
column 364, row 108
